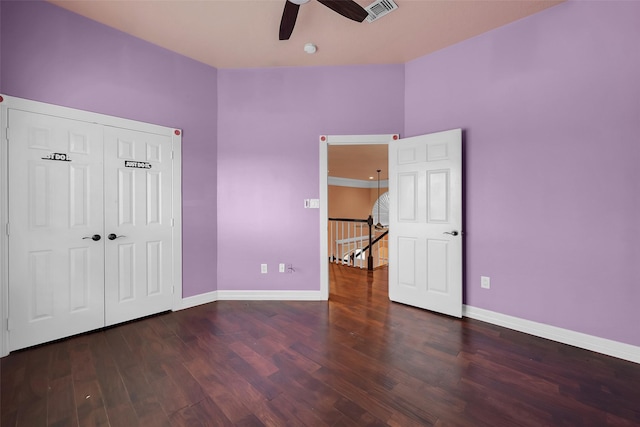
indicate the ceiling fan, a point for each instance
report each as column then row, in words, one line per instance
column 347, row 8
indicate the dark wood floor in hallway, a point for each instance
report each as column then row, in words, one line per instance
column 357, row 360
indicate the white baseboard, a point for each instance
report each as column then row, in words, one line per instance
column 249, row 296
column 197, row 300
column 565, row 336
column 270, row 295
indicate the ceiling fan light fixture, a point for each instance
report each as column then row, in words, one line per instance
column 310, row 48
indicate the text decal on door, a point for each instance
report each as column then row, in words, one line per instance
column 134, row 164
column 61, row 157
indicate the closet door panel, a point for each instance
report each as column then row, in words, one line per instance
column 56, row 244
column 138, row 223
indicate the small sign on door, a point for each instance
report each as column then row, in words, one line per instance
column 61, row 157
column 134, row 164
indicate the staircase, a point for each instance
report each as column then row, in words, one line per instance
column 357, row 243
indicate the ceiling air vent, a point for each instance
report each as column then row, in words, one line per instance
column 379, row 8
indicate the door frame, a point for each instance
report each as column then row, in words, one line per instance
column 325, row 141
column 9, row 102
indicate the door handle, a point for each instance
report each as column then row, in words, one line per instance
column 95, row 237
column 452, row 233
column 113, row 236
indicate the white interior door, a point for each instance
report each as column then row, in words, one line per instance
column 425, row 216
column 56, row 270
column 138, row 224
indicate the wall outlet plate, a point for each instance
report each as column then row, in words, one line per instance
column 281, row 268
column 485, row 282
column 263, row 268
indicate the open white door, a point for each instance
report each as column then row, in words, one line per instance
column 425, row 222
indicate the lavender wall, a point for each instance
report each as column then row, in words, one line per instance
column 1, row 90
column 55, row 56
column 268, row 156
column 551, row 112
column 550, row 106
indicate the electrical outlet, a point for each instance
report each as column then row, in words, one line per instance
column 281, row 268
column 485, row 282
column 263, row 268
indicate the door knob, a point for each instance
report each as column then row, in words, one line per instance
column 452, row 233
column 95, row 237
column 113, row 236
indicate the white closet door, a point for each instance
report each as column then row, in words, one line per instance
column 56, row 275
column 138, row 224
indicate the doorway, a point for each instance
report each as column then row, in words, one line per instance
column 425, row 247
column 325, row 142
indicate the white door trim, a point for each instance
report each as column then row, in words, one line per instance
column 325, row 141
column 10, row 102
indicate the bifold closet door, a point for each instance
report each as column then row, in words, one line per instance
column 56, row 236
column 138, row 229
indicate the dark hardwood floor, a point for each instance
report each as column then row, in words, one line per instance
column 358, row 360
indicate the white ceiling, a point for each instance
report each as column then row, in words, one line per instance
column 244, row 33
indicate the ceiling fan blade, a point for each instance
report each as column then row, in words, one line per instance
column 289, row 15
column 347, row 8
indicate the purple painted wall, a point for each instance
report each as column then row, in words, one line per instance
column 550, row 106
column 55, row 56
column 1, row 1
column 551, row 111
column 268, row 158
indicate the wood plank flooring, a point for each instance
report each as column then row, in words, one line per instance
column 357, row 360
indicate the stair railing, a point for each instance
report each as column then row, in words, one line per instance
column 351, row 241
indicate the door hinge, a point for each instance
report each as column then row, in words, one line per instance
column 9, row 324
column 7, row 229
column 172, row 154
column 6, row 133
column 173, row 222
